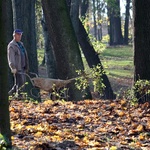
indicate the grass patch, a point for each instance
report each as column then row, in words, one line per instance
column 118, row 61
column 121, row 52
column 119, row 73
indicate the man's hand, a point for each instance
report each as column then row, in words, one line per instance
column 14, row 71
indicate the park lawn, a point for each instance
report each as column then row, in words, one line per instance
column 118, row 61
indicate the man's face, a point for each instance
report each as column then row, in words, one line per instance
column 17, row 37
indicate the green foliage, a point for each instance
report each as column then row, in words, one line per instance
column 130, row 95
column 24, row 95
column 105, row 39
column 98, row 45
column 142, row 87
column 114, row 6
column 3, row 142
column 60, row 94
column 40, row 55
column 82, row 81
column 139, row 90
column 94, row 75
column 97, row 73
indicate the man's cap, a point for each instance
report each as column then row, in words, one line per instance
column 18, row 31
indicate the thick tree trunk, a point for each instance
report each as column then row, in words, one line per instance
column 9, row 38
column 4, row 104
column 66, row 49
column 141, row 39
column 74, row 14
column 115, row 31
column 24, row 18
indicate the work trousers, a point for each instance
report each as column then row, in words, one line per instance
column 19, row 83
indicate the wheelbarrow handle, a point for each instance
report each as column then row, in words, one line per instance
column 27, row 76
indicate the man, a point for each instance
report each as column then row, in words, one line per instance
column 18, row 63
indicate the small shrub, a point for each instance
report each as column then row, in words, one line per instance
column 94, row 77
column 139, row 93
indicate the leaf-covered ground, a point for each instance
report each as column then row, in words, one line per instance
column 84, row 125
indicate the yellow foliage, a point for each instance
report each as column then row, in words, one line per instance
column 38, row 134
column 113, row 148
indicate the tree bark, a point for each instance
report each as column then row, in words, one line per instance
column 141, row 13
column 66, row 49
column 74, row 14
column 88, row 50
column 83, row 8
column 24, row 18
column 115, row 31
column 4, row 104
column 93, row 59
column 9, row 38
column 49, row 54
column 94, row 19
column 126, row 26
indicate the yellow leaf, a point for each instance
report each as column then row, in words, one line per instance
column 56, row 138
column 12, row 137
column 124, row 142
column 123, row 102
column 94, row 143
column 48, row 102
column 141, row 137
column 113, row 148
column 140, row 128
column 80, row 126
column 12, row 109
column 120, row 113
column 19, row 126
column 109, row 122
column 113, row 104
column 85, row 140
column 102, row 130
column 38, row 134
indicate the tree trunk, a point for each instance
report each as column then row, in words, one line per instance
column 4, row 104
column 100, row 9
column 88, row 50
column 66, row 49
column 74, row 14
column 49, row 54
column 24, row 18
column 83, row 8
column 126, row 26
column 9, row 38
column 94, row 19
column 93, row 59
column 115, row 31
column 141, row 39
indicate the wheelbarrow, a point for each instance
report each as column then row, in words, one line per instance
column 48, row 84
